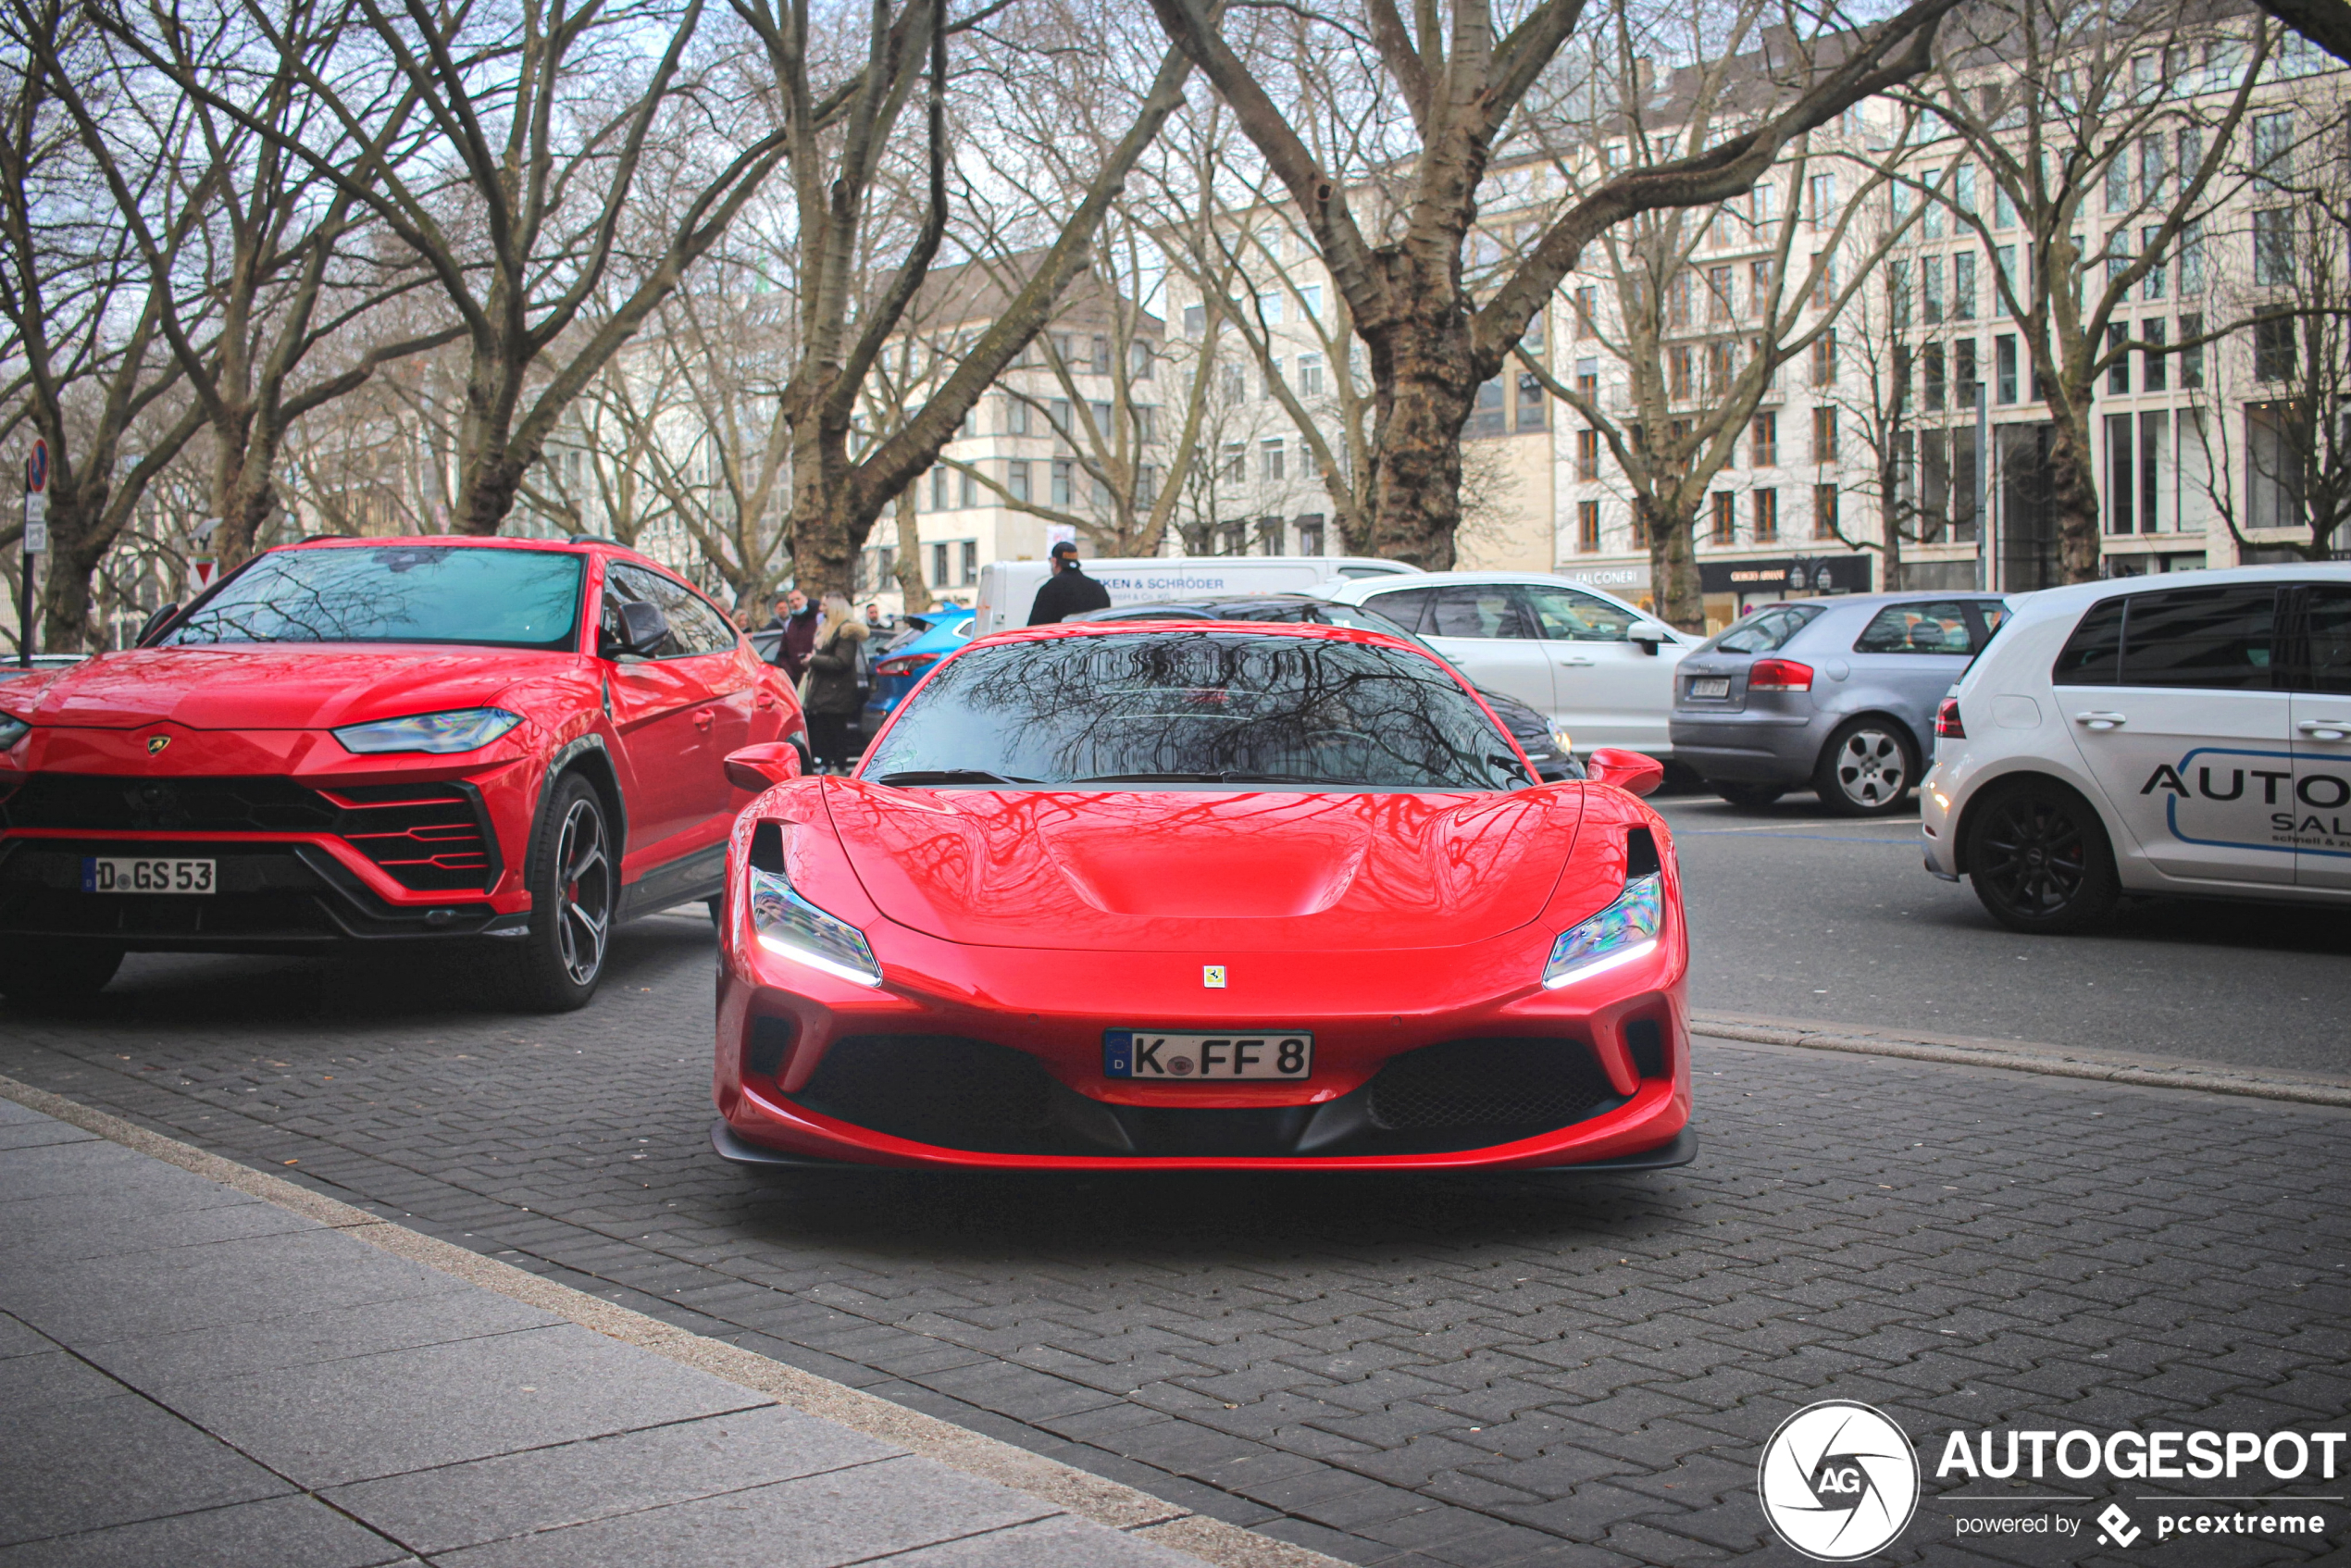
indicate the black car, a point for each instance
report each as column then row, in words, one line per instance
column 1544, row 747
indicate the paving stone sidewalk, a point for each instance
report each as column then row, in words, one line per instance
column 193, row 1376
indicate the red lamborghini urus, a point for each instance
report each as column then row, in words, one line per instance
column 371, row 740
column 1130, row 895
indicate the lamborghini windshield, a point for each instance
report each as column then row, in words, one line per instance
column 498, row 598
column 1200, row 708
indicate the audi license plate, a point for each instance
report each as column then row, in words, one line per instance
column 105, row 874
column 1162, row 1056
column 1719, row 686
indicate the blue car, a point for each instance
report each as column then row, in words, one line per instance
column 922, row 640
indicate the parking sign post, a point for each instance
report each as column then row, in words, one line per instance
column 36, row 543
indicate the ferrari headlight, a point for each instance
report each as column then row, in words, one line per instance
column 789, row 927
column 12, row 729
column 461, row 729
column 1622, row 932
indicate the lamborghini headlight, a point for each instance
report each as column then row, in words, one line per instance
column 1624, row 931
column 463, row 729
column 789, row 927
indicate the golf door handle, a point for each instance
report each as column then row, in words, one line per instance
column 2325, row 728
column 1578, row 662
column 2100, row 721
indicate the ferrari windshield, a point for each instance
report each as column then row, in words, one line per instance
column 1167, row 707
column 498, row 598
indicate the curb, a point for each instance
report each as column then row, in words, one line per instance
column 1079, row 1492
column 2023, row 1056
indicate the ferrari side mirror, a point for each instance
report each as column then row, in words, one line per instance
column 1632, row 772
column 757, row 768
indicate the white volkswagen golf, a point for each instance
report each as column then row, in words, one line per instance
column 2185, row 735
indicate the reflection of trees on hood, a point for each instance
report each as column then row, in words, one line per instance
column 424, row 593
column 1201, row 703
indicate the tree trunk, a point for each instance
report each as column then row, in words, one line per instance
column 244, row 495
column 77, row 544
column 2073, row 495
column 1673, row 582
column 1429, row 384
column 910, row 556
column 1889, row 510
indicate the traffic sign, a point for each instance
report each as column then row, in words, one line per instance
column 36, row 469
column 36, row 523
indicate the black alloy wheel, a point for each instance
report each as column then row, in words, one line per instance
column 1751, row 796
column 2040, row 860
column 575, row 891
column 36, row 970
column 1866, row 769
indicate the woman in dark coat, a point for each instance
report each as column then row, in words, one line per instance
column 828, row 691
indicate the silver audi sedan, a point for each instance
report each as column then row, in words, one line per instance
column 1836, row 695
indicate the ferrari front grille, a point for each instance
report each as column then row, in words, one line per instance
column 1534, row 1084
column 933, row 1089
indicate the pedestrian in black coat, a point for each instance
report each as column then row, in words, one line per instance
column 1068, row 592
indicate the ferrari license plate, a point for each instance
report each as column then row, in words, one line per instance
column 105, row 874
column 1719, row 686
column 1171, row 1056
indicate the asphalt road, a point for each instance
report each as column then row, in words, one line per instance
column 1799, row 915
column 1407, row 1372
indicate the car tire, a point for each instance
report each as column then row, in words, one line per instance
column 34, row 970
column 1867, row 769
column 2039, row 858
column 575, row 891
column 1749, row 795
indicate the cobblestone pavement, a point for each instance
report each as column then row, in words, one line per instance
column 1396, row 1371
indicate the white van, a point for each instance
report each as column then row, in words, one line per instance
column 1007, row 588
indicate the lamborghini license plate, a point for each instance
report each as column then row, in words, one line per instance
column 1171, row 1056
column 109, row 874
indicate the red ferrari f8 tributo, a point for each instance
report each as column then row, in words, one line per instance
column 381, row 741
column 1143, row 894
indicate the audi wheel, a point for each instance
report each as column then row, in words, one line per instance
column 1866, row 769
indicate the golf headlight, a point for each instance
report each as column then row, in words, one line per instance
column 789, row 927
column 1622, row 932
column 460, row 730
column 12, row 729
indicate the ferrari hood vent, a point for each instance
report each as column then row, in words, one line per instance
column 1159, row 870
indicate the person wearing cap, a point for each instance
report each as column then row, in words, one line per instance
column 1068, row 590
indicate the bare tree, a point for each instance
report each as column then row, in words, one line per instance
column 2078, row 111
column 2280, row 359
column 84, row 301
column 1398, row 263
column 837, row 491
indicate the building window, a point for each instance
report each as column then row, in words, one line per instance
column 1824, row 435
column 1064, row 473
column 2191, row 253
column 2120, row 491
column 1269, row 461
column 1588, row 379
column 1721, row 303
column 1932, row 374
column 1310, row 375
column 2004, row 369
column 1586, row 311
column 2274, row 247
column 1767, row 515
column 1931, row 288
column 1587, row 526
column 1963, row 286
column 1101, row 354
column 1147, row 484
column 1310, row 299
column 1269, row 536
column 1898, row 294
column 1679, row 382
column 1823, row 280
column 1310, row 534
column 1963, row 372
column 1232, row 382
column 1269, row 307
column 2272, row 144
column 969, row 488
column 1017, row 412
column 2151, row 286
column 1533, row 412
column 2153, row 367
column 1057, row 411
column 2273, row 348
column 1824, row 358
column 1758, row 286
column 1017, row 479
column 1140, row 357
column 970, row 563
column 938, row 565
column 2192, row 356
column 938, row 490
column 2118, row 373
column 1677, row 301
column 2273, row 474
column 1195, row 320
column 1824, row 511
column 1236, row 462
column 1725, row 530
column 1821, row 196
column 1719, row 358
column 1763, row 441
column 1487, row 417
column 1587, row 454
